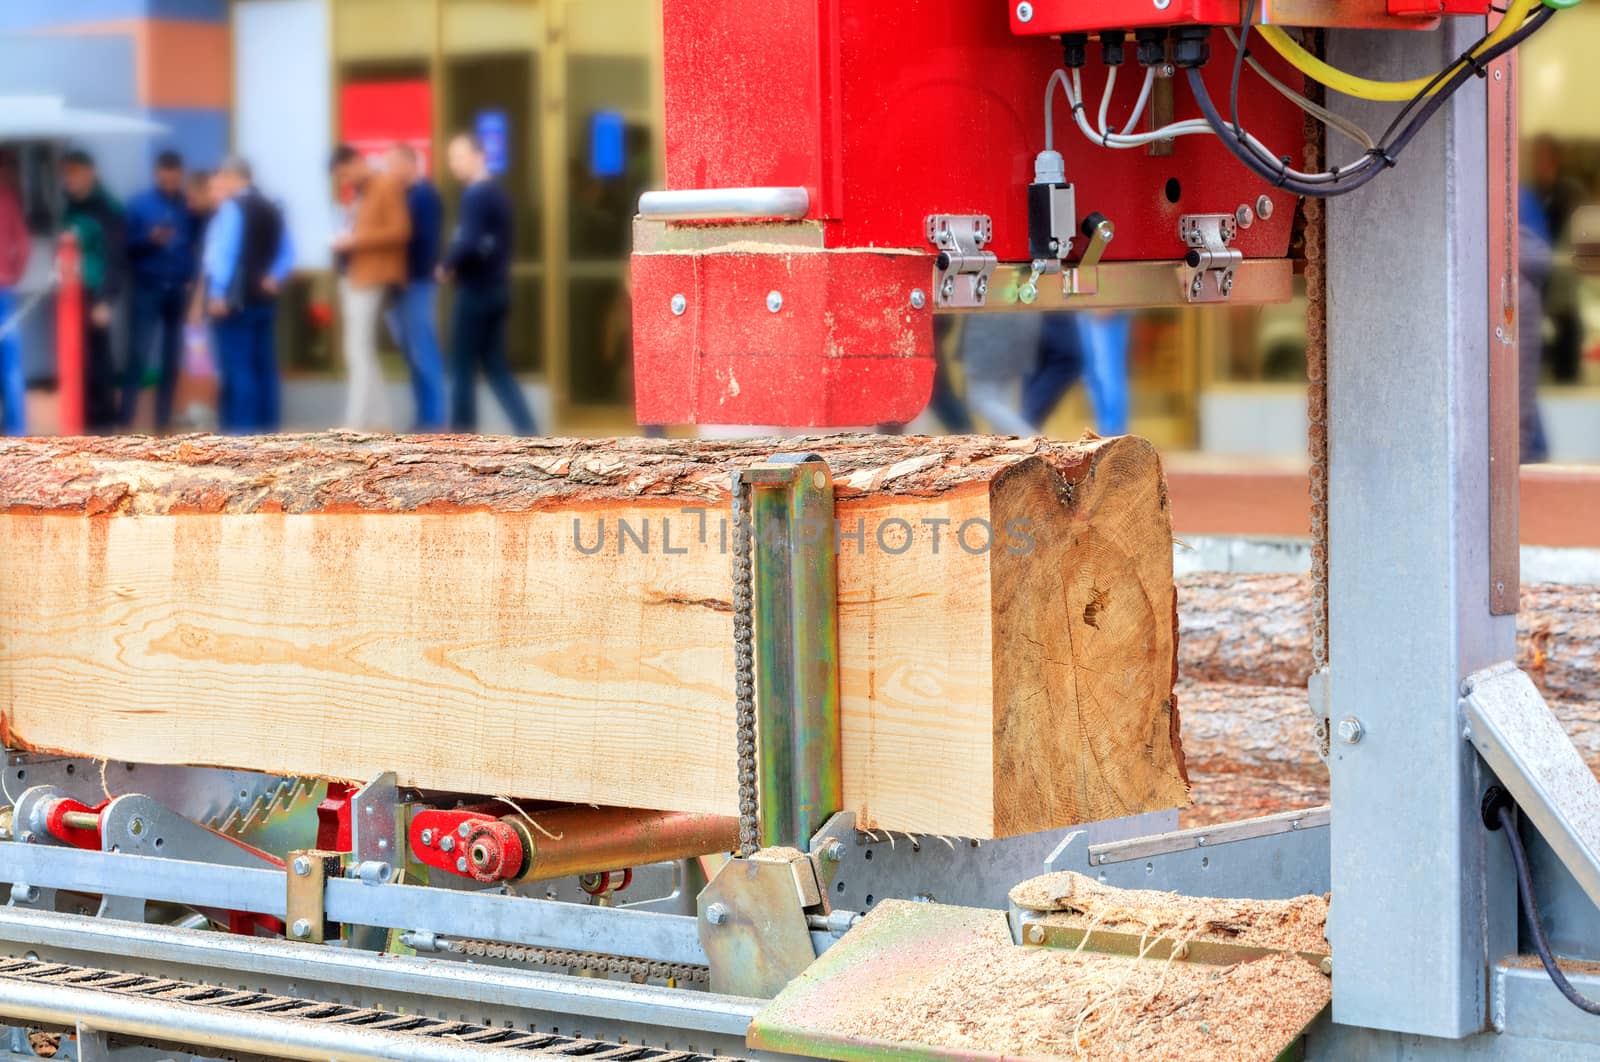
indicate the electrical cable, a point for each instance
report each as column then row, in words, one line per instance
column 1074, row 90
column 1105, row 99
column 1339, row 124
column 1506, row 819
column 1339, row 182
column 1050, row 109
column 1517, row 13
column 1143, row 101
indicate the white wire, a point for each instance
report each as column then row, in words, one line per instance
column 1344, row 126
column 1191, row 127
column 1144, row 99
column 1049, row 107
column 1105, row 97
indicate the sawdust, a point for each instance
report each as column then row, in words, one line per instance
column 1082, row 902
column 987, row 994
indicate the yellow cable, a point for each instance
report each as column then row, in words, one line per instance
column 1366, row 88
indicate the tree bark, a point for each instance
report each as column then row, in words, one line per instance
column 551, row 619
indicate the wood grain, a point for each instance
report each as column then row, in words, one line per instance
column 543, row 619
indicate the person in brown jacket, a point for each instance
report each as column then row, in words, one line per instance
column 373, row 247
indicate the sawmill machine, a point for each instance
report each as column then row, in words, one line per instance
column 840, row 173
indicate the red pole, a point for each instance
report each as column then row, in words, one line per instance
column 69, row 337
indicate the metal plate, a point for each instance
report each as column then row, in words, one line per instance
column 763, row 941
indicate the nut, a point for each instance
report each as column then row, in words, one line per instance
column 717, row 913
column 302, row 866
column 301, row 929
column 1350, row 731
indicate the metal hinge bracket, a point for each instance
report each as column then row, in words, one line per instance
column 1208, row 236
column 963, row 268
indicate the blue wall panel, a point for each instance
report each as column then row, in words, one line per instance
column 35, row 14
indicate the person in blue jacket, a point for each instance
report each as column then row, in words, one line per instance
column 162, row 259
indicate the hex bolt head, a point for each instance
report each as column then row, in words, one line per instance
column 1350, row 731
column 774, row 301
column 717, row 913
column 461, row 864
column 301, row 929
column 833, row 851
column 1264, row 207
column 22, row 892
column 427, row 838
column 464, row 829
column 1036, row 934
column 679, row 305
column 919, row 298
column 1244, row 216
column 302, row 866
column 1024, row 12
column 448, row 844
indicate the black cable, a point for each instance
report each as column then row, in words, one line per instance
column 1238, row 65
column 1506, row 818
column 1276, row 171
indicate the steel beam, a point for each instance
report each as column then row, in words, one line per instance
column 1424, row 898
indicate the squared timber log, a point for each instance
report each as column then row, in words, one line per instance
column 552, row 620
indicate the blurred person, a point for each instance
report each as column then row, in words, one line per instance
column 162, row 259
column 247, row 259
column 997, row 351
column 16, row 245
column 1534, row 262
column 97, row 220
column 413, row 316
column 1555, row 195
column 1106, row 337
column 375, row 246
column 1060, row 366
column 479, row 262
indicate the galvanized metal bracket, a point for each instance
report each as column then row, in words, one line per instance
column 753, row 924
column 1083, row 278
column 1207, row 236
column 861, row 870
column 1507, row 721
column 305, row 910
column 795, row 611
column 1271, row 857
column 963, row 268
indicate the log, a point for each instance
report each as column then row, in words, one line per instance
column 551, row 619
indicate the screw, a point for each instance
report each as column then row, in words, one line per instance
column 1227, row 283
column 983, row 286
column 919, row 298
column 717, row 913
column 302, row 866
column 1036, row 934
column 1350, row 730
column 301, row 929
column 833, row 852
column 949, row 287
column 427, row 838
column 1244, row 216
column 1264, row 207
column 448, row 844
column 1024, row 12
column 774, row 301
column 461, row 864
column 1103, row 859
column 1200, row 841
column 679, row 305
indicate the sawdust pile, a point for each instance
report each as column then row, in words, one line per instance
column 1082, row 902
column 988, row 995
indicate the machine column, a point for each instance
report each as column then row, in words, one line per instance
column 1423, row 897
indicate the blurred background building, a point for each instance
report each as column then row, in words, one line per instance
column 567, row 94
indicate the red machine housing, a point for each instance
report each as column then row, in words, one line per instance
column 887, row 113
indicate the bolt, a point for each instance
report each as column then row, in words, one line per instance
column 983, row 286
column 919, row 298
column 833, row 852
column 717, row 913
column 464, row 829
column 1200, row 841
column 1162, row 5
column 679, row 305
column 948, row 288
column 1264, row 207
column 461, row 864
column 1244, row 216
column 1036, row 934
column 448, row 844
column 1326, row 965
column 1024, row 12
column 136, row 826
column 427, row 838
column 1103, row 859
column 1350, row 730
column 774, row 301
column 302, row 866
column 1227, row 283
column 1028, row 294
column 22, row 892
column 301, row 929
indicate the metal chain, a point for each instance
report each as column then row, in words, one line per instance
column 1316, row 277
column 582, row 960
column 744, row 662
